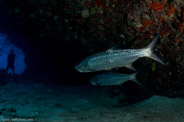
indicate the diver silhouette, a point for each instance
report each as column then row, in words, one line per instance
column 11, row 61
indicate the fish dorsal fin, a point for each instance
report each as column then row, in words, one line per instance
column 112, row 48
column 130, row 66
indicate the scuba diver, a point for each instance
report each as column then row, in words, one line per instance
column 11, row 61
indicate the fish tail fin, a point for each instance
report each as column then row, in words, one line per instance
column 135, row 79
column 154, row 57
column 150, row 51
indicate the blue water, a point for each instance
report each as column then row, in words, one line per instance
column 5, row 47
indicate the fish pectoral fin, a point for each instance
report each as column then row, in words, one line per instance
column 130, row 66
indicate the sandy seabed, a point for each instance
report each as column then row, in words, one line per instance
column 38, row 102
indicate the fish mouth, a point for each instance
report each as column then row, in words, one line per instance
column 77, row 68
column 82, row 70
column 93, row 83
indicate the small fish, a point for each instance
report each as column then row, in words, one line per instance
column 111, row 78
column 114, row 58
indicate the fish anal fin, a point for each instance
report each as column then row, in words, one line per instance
column 117, row 68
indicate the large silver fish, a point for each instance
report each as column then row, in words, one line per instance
column 111, row 78
column 117, row 58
